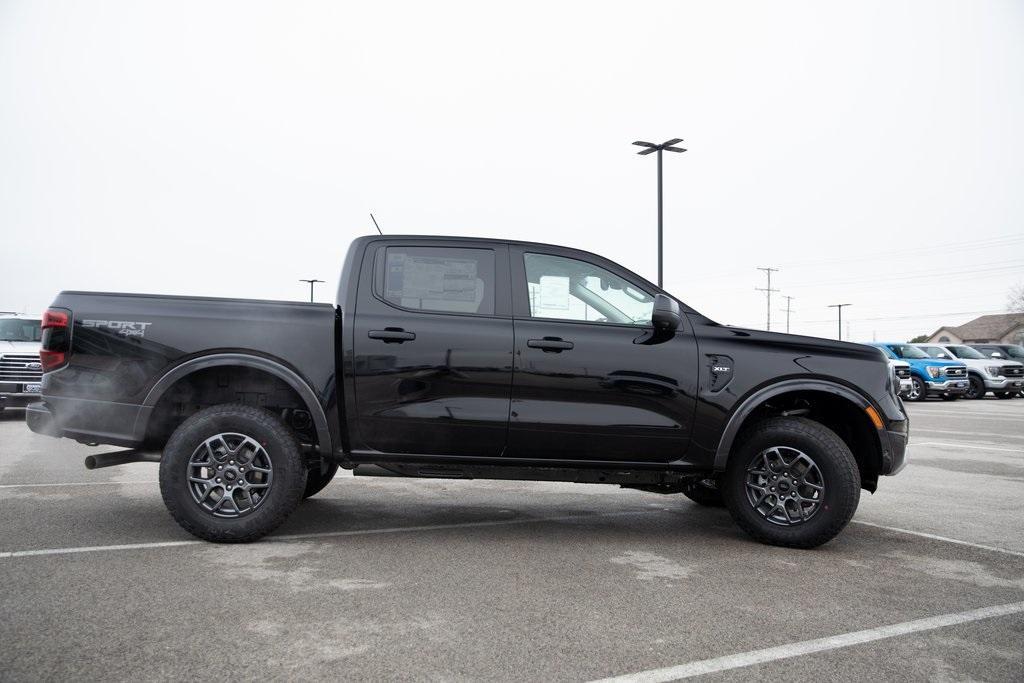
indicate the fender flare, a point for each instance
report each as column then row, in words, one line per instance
column 279, row 370
column 732, row 427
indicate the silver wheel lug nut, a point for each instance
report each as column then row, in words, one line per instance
column 218, row 479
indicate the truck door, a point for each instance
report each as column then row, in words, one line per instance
column 432, row 344
column 591, row 380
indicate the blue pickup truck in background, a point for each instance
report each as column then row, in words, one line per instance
column 930, row 376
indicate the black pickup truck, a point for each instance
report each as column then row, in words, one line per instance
column 472, row 359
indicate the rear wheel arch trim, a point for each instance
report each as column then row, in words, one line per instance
column 736, row 420
column 275, row 368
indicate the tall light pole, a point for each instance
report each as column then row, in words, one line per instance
column 768, row 290
column 311, row 283
column 839, row 307
column 651, row 147
column 788, row 309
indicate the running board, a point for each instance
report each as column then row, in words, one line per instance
column 567, row 474
column 93, row 462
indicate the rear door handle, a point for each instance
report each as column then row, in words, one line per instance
column 550, row 344
column 391, row 335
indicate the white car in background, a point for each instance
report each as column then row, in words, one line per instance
column 1002, row 377
column 21, row 372
column 901, row 377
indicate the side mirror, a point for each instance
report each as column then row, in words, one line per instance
column 666, row 316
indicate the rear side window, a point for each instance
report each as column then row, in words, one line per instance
column 440, row 279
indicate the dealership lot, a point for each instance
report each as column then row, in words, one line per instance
column 430, row 579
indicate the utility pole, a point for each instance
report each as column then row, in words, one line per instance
column 311, row 283
column 651, row 147
column 788, row 309
column 840, row 309
column 768, row 291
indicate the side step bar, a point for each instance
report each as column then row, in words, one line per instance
column 93, row 462
column 655, row 478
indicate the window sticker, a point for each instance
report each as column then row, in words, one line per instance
column 554, row 292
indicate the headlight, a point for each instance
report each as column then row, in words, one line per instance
column 933, row 371
column 993, row 370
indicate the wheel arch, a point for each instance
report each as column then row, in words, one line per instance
column 272, row 367
column 841, row 397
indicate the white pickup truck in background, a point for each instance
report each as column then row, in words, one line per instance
column 20, row 369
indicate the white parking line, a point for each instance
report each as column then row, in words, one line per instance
column 806, row 647
column 325, row 534
column 945, row 539
column 980, row 435
column 963, row 445
column 73, row 483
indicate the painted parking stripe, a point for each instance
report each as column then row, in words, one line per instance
column 944, row 539
column 806, row 647
column 963, row 445
column 979, row 435
column 73, row 483
column 326, row 534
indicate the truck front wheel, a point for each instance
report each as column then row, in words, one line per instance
column 918, row 390
column 231, row 473
column 791, row 482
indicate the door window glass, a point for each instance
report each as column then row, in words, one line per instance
column 576, row 290
column 440, row 279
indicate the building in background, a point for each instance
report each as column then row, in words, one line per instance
column 1002, row 328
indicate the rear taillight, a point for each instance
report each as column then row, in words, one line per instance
column 56, row 339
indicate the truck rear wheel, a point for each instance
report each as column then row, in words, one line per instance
column 791, row 482
column 231, row 473
column 317, row 480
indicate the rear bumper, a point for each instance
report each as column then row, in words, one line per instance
column 40, row 420
column 117, row 424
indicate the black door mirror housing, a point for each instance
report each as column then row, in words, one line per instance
column 666, row 316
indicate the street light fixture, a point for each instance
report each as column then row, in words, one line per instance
column 839, row 307
column 311, row 283
column 667, row 146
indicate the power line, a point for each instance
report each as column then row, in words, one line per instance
column 768, row 292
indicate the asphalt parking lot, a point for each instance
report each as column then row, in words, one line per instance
column 380, row 579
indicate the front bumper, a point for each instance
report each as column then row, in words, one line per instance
column 906, row 385
column 1004, row 383
column 894, row 454
column 948, row 386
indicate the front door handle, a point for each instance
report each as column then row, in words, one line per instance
column 550, row 344
column 391, row 335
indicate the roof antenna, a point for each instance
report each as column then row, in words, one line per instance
column 375, row 224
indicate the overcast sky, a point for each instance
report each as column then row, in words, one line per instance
column 872, row 151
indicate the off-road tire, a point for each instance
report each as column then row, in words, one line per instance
column 282, row 497
column 833, row 458
column 316, row 481
column 707, row 492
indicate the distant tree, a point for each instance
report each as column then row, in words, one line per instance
column 919, row 339
column 1015, row 300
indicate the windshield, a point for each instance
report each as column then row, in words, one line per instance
column 1014, row 351
column 935, row 351
column 18, row 329
column 966, row 352
column 907, row 351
